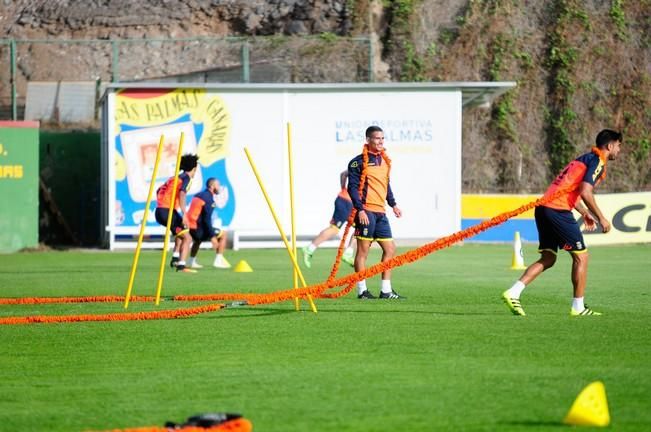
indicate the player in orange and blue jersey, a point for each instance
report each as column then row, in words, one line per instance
column 201, row 226
column 557, row 227
column 343, row 207
column 371, row 222
column 179, row 225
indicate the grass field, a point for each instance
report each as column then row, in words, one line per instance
column 450, row 357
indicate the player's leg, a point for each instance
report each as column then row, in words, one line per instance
column 349, row 253
column 548, row 245
column 571, row 240
column 218, row 241
column 363, row 248
column 183, row 235
column 194, row 249
column 364, row 236
column 340, row 214
column 384, row 238
column 579, row 282
column 161, row 215
column 308, row 251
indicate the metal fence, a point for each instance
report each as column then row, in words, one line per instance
column 270, row 59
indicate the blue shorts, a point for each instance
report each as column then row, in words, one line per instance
column 378, row 227
column 558, row 229
column 204, row 233
column 343, row 208
column 177, row 221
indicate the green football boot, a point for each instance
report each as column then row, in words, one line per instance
column 513, row 304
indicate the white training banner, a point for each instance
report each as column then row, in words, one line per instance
column 423, row 140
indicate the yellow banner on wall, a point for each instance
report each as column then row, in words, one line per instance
column 629, row 215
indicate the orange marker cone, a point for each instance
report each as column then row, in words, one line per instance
column 590, row 407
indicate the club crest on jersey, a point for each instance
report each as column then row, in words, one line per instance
column 597, row 171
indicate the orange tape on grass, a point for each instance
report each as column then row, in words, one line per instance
column 54, row 300
column 136, row 316
column 349, row 281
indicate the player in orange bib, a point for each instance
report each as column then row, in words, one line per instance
column 343, row 207
column 371, row 171
column 179, row 227
column 201, row 225
column 557, row 227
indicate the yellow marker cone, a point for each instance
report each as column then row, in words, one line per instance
column 517, row 261
column 243, row 267
column 590, row 407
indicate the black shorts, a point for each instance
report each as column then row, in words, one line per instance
column 378, row 227
column 343, row 208
column 558, row 229
column 177, row 226
column 203, row 233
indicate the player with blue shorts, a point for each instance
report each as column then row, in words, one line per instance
column 164, row 205
column 201, row 227
column 343, row 207
column 557, row 228
column 371, row 223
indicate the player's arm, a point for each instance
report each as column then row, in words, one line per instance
column 587, row 196
column 589, row 220
column 182, row 207
column 343, row 178
column 392, row 201
column 354, row 177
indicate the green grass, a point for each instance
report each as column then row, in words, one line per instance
column 450, row 357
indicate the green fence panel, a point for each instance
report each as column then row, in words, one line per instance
column 70, row 171
column 18, row 185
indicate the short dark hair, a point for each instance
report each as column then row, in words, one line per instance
column 371, row 129
column 189, row 162
column 606, row 136
column 210, row 181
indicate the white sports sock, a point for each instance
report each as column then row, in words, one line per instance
column 516, row 290
column 181, row 263
column 386, row 286
column 311, row 248
column 176, row 254
column 577, row 304
column 361, row 286
column 193, row 260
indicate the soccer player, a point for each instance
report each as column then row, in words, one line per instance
column 343, row 207
column 179, row 226
column 371, row 223
column 201, row 227
column 557, row 228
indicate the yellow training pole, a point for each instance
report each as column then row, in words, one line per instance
column 280, row 228
column 169, row 220
column 136, row 256
column 291, row 206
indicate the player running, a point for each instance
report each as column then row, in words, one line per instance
column 179, row 226
column 201, row 227
column 343, row 207
column 557, row 227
